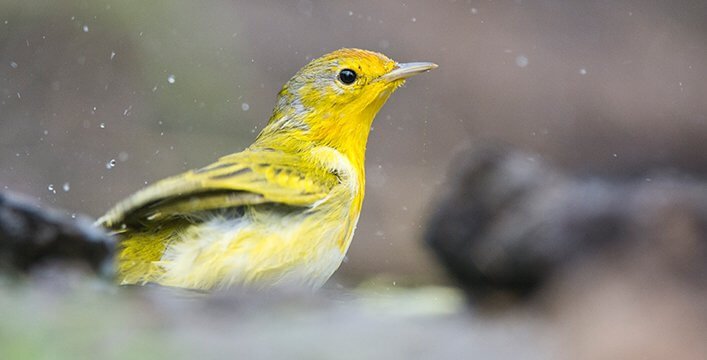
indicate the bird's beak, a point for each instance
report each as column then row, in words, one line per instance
column 406, row 70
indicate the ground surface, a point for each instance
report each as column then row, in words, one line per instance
column 69, row 322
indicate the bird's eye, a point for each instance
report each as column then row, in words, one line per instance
column 347, row 76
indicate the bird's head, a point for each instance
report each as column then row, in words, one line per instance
column 332, row 100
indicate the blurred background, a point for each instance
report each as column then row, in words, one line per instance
column 99, row 98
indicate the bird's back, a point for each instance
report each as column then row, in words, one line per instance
column 257, row 217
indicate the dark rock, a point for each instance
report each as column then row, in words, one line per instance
column 510, row 223
column 32, row 236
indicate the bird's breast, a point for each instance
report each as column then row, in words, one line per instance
column 271, row 246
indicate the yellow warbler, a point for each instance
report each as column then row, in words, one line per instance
column 284, row 210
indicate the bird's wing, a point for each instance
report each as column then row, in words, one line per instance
column 245, row 178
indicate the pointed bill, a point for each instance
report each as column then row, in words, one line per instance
column 406, row 70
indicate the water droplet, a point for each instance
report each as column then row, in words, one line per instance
column 171, row 79
column 110, row 164
column 85, row 28
column 413, row 19
column 112, row 55
column 474, row 11
column 13, row 64
column 522, row 61
column 350, row 13
column 583, row 71
column 102, row 125
column 245, row 106
column 51, row 188
column 66, row 187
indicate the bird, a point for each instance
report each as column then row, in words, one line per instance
column 283, row 211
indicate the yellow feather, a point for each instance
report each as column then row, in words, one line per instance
column 281, row 212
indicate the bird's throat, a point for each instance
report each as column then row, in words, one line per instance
column 345, row 129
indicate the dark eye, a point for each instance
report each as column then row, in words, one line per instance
column 347, row 76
